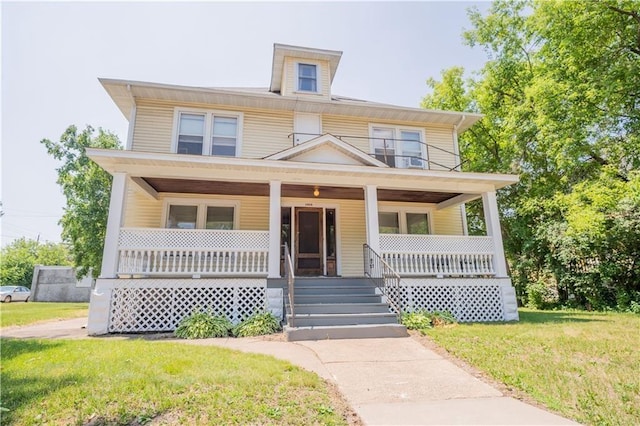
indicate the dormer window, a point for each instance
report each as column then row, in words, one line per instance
column 308, row 78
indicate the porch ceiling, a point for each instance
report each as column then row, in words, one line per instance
column 191, row 186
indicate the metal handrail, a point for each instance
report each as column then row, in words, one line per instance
column 290, row 278
column 428, row 146
column 382, row 275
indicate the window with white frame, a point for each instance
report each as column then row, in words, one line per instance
column 186, row 215
column 403, row 222
column 208, row 133
column 307, row 77
column 398, row 146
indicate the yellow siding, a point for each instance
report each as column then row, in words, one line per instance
column 142, row 211
column 153, row 128
column 441, row 137
column 448, row 221
column 348, row 126
column 353, row 234
column 265, row 133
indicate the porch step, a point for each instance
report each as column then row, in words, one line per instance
column 336, row 298
column 305, row 320
column 332, row 281
column 304, row 290
column 368, row 331
column 341, row 308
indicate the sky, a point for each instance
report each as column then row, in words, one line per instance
column 53, row 54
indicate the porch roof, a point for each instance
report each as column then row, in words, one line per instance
column 160, row 172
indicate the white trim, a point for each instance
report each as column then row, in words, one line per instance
column 209, row 115
column 467, row 182
column 132, row 125
column 114, row 223
column 492, row 220
column 147, row 189
column 201, row 204
column 275, row 227
column 371, row 217
column 327, row 139
column 456, row 146
column 398, row 144
column 296, row 70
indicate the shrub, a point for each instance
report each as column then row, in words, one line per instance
column 422, row 319
column 201, row 325
column 257, row 324
column 416, row 320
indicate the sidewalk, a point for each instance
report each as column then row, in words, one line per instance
column 387, row 381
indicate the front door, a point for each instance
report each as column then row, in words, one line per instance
column 308, row 242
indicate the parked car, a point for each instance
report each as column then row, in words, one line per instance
column 14, row 293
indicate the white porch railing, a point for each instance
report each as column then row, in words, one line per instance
column 181, row 252
column 439, row 255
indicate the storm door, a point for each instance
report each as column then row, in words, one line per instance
column 309, row 242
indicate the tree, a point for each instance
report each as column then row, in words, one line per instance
column 561, row 98
column 87, row 189
column 20, row 257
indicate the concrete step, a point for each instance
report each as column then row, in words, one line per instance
column 336, row 298
column 307, row 320
column 340, row 308
column 369, row 331
column 300, row 290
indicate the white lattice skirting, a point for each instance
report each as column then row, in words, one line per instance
column 153, row 305
column 469, row 300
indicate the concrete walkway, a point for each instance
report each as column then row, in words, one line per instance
column 387, row 381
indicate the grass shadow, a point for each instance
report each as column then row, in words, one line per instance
column 19, row 390
column 12, row 347
column 542, row 317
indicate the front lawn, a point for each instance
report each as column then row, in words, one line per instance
column 583, row 365
column 19, row 313
column 112, row 381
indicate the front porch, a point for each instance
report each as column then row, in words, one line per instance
column 153, row 275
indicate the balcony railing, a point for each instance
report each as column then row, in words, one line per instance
column 438, row 255
column 388, row 152
column 181, row 252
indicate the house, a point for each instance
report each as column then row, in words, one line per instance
column 368, row 198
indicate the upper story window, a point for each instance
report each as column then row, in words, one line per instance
column 208, row 133
column 308, row 78
column 399, row 147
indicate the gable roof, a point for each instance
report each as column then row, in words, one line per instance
column 304, row 151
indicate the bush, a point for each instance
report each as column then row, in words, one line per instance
column 257, row 325
column 202, row 325
column 422, row 319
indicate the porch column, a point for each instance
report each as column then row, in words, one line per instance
column 371, row 217
column 114, row 223
column 275, row 190
column 492, row 221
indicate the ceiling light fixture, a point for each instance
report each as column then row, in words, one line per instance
column 316, row 191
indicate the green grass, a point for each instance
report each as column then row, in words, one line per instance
column 585, row 366
column 19, row 313
column 111, row 381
